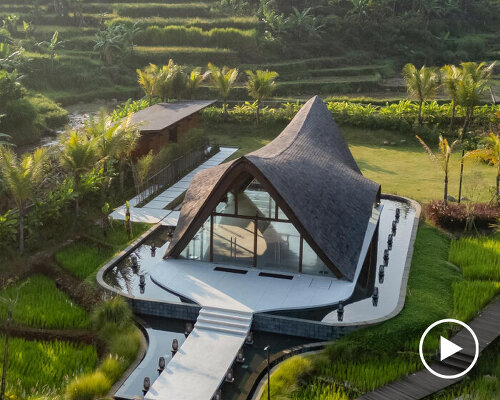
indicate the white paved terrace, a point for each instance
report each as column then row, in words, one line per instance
column 154, row 211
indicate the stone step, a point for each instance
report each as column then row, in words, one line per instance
column 220, row 328
column 224, row 311
column 225, row 315
column 223, row 322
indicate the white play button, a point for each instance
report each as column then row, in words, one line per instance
column 447, row 348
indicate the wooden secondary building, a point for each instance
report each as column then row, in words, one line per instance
column 165, row 123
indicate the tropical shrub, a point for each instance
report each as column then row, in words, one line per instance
column 458, row 216
column 115, row 311
column 88, row 386
column 127, row 108
column 9, row 223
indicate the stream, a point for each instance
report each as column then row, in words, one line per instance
column 77, row 115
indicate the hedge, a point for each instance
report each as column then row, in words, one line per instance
column 174, row 35
column 184, row 55
column 162, row 10
column 204, row 23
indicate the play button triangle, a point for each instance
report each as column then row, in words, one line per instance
column 447, row 348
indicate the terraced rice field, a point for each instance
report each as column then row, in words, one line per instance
column 191, row 32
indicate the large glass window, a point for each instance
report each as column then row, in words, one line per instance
column 199, row 247
column 274, row 245
column 233, row 240
column 280, row 246
column 312, row 264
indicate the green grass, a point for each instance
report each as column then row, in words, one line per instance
column 41, row 305
column 402, row 168
column 379, row 354
column 478, row 257
column 143, row 55
column 139, row 10
column 83, row 258
column 39, row 367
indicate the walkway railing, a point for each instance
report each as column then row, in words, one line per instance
column 173, row 171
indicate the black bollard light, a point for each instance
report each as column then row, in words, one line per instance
column 133, row 260
column 146, row 384
column 217, row 395
column 161, row 364
column 386, row 257
column 375, row 297
column 381, row 274
column 398, row 212
column 249, row 339
column 394, row 227
column 188, row 329
column 240, row 357
column 340, row 312
column 390, row 240
column 230, row 376
column 175, row 346
column 153, row 249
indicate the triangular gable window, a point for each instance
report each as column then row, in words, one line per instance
column 248, row 228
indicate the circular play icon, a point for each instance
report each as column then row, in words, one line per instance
column 457, row 354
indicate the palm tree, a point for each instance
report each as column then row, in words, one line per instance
column 114, row 141
column 451, row 76
column 78, row 156
column 171, row 81
column 421, row 84
column 21, row 177
column 475, row 80
column 261, row 85
column 148, row 81
column 443, row 158
column 194, row 81
column 490, row 153
column 222, row 80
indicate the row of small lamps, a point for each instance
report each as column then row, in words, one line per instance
column 382, row 267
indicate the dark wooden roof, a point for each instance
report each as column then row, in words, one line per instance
column 310, row 172
column 161, row 116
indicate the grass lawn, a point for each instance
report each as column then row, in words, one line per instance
column 401, row 167
column 41, row 305
column 83, row 258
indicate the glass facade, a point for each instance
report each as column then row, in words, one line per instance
column 250, row 230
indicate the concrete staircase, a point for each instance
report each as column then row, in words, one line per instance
column 226, row 321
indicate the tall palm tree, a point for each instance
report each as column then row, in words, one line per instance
column 194, row 81
column 171, row 81
column 443, row 159
column 421, row 84
column 451, row 75
column 21, row 177
column 490, row 153
column 261, row 85
column 78, row 156
column 114, row 141
column 223, row 80
column 147, row 79
column 475, row 81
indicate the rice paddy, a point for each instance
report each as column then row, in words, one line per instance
column 471, row 296
column 478, row 257
column 40, row 367
column 41, row 305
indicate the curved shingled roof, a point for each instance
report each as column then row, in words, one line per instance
column 310, row 172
